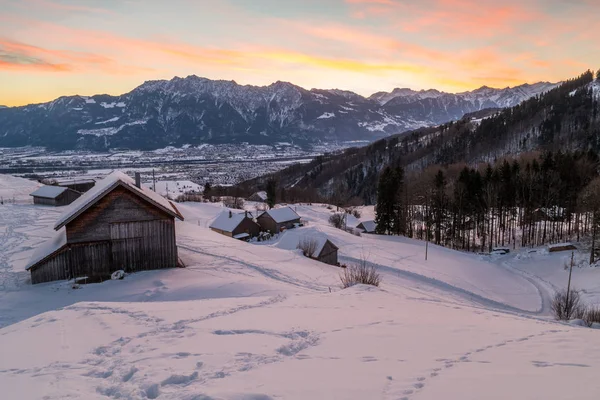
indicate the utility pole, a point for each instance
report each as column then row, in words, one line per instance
column 569, row 284
column 153, row 181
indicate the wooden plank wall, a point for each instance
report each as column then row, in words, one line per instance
column 136, row 246
column 139, row 246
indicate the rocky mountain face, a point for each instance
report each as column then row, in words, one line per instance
column 193, row 110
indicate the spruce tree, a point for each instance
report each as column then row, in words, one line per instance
column 271, row 192
column 385, row 202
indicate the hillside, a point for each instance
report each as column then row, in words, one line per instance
column 194, row 110
column 245, row 320
column 567, row 118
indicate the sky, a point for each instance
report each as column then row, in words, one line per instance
column 50, row 48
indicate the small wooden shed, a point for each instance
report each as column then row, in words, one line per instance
column 326, row 252
column 367, row 226
column 278, row 219
column 55, row 196
column 116, row 225
column 79, row 185
column 236, row 225
column 260, row 197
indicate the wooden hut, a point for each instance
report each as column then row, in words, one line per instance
column 259, row 197
column 79, row 185
column 278, row 219
column 326, row 252
column 117, row 225
column 55, row 196
column 367, row 226
column 236, row 225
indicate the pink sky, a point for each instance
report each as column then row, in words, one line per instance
column 50, row 48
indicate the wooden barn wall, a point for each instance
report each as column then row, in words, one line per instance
column 139, row 246
column 67, row 197
column 135, row 246
column 267, row 223
column 247, row 226
column 329, row 254
column 118, row 206
column 222, row 232
column 56, row 268
column 44, row 201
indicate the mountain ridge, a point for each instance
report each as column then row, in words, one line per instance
column 195, row 110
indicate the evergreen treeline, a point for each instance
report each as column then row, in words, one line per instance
column 533, row 200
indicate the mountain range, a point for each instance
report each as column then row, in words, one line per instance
column 194, row 110
column 565, row 119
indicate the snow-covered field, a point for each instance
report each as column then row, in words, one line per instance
column 258, row 321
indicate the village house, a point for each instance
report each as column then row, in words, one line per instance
column 54, row 196
column 367, row 226
column 236, row 225
column 278, row 219
column 117, row 225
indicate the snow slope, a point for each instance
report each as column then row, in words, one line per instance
column 260, row 322
column 12, row 187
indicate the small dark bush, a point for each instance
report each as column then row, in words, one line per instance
column 567, row 310
column 337, row 220
column 308, row 246
column 361, row 273
column 592, row 314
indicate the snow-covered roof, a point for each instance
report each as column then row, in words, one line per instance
column 560, row 245
column 284, row 214
column 262, row 195
column 227, row 221
column 242, row 236
column 104, row 187
column 369, row 226
column 47, row 248
column 49, row 192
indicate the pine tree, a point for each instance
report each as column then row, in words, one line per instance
column 384, row 217
column 271, row 193
column 207, row 189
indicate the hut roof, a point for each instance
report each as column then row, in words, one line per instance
column 262, row 195
column 321, row 242
column 57, row 242
column 49, row 192
column 104, row 187
column 369, row 226
column 283, row 214
column 227, row 221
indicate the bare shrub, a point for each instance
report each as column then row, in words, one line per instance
column 308, row 246
column 569, row 307
column 360, row 273
column 592, row 314
column 337, row 220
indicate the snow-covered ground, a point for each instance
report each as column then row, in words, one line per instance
column 258, row 321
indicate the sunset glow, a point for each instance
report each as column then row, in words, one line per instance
column 50, row 48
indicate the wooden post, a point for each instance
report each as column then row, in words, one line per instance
column 569, row 284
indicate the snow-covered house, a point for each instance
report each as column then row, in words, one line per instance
column 259, row 197
column 117, row 225
column 367, row 226
column 55, row 196
column 278, row 219
column 236, row 225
